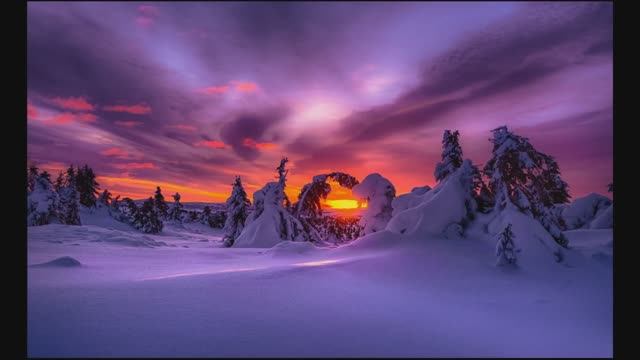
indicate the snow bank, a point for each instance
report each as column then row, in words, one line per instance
column 379, row 193
column 582, row 210
column 65, row 261
column 603, row 220
column 438, row 210
column 288, row 248
column 412, row 199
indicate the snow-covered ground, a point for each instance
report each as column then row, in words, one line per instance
column 180, row 293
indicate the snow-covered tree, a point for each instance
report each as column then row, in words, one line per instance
column 105, row 198
column 159, row 203
column 68, row 203
column 505, row 248
column 42, row 201
column 127, row 211
column 176, row 210
column 308, row 208
column 87, row 186
column 148, row 219
column 379, row 193
column 237, row 207
column 521, row 175
column 32, row 175
column 451, row 155
column 270, row 221
column 59, row 183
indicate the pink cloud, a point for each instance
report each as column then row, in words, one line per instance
column 116, row 153
column 147, row 15
column 32, row 112
column 213, row 144
column 249, row 142
column 137, row 109
column 183, row 127
column 72, row 103
column 245, row 86
column 214, row 90
column 69, row 117
column 128, row 123
column 135, row 166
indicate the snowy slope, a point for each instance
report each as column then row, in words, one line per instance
column 385, row 294
column 583, row 210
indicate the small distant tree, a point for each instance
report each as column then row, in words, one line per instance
column 127, row 211
column 160, row 204
column 205, row 215
column 42, row 201
column 87, row 186
column 451, row 155
column 32, row 175
column 148, row 219
column 68, row 203
column 176, row 210
column 237, row 207
column 105, row 198
column 610, row 187
column 505, row 248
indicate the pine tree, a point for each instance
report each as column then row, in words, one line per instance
column 205, row 215
column 530, row 180
column 148, row 219
column 87, row 186
column 32, row 175
column 505, row 248
column 160, row 204
column 60, row 182
column 128, row 211
column 68, row 203
column 105, row 198
column 176, row 210
column 451, row 155
column 237, row 207
column 42, row 201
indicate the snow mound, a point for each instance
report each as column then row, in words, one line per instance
column 65, row 261
column 287, row 248
column 379, row 193
column 409, row 200
column 604, row 220
column 534, row 242
column 438, row 209
column 583, row 210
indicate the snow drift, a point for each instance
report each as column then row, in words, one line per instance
column 379, row 193
column 409, row 200
column 583, row 210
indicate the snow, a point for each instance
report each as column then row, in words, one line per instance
column 604, row 220
column 65, row 261
column 385, row 294
column 583, row 210
column 409, row 200
column 437, row 210
column 379, row 194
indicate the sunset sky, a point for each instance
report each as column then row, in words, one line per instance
column 188, row 95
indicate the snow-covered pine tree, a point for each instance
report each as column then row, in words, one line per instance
column 176, row 210
column 42, row 201
column 451, row 155
column 148, row 219
column 160, row 204
column 270, row 221
column 530, row 180
column 308, row 209
column 205, row 215
column 105, row 198
column 32, row 175
column 68, row 202
column 237, row 207
column 127, row 211
column 87, row 186
column 59, row 183
column 505, row 248
column 379, row 193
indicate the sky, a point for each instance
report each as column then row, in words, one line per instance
column 188, row 95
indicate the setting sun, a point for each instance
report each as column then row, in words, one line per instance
column 343, row 204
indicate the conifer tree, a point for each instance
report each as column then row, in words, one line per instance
column 105, row 198
column 148, row 219
column 530, row 180
column 176, row 210
column 68, row 202
column 451, row 155
column 160, row 204
column 32, row 175
column 42, row 201
column 237, row 207
column 505, row 248
column 87, row 186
